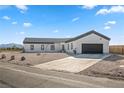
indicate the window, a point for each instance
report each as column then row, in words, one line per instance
column 63, row 47
column 52, row 47
column 42, row 47
column 31, row 47
column 71, row 45
column 68, row 46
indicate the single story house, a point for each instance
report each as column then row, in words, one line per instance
column 91, row 42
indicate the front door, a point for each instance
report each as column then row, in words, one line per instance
column 63, row 47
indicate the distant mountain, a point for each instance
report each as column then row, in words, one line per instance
column 10, row 45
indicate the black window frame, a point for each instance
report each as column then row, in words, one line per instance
column 52, row 47
column 68, row 46
column 31, row 47
column 42, row 47
column 71, row 46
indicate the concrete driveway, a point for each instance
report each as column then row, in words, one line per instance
column 73, row 64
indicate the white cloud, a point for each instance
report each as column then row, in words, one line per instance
column 22, row 33
column 113, row 9
column 22, row 12
column 6, row 17
column 75, row 19
column 102, row 12
column 89, row 6
column 27, row 24
column 110, row 23
column 22, row 8
column 14, row 23
column 68, row 36
column 56, row 31
column 107, row 27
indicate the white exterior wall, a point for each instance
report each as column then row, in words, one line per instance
column 37, row 47
column 89, row 39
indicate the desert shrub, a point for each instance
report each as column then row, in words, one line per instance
column 28, row 64
column 38, row 54
column 23, row 58
column 12, row 57
column 3, row 56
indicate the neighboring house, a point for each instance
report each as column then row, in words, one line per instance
column 91, row 42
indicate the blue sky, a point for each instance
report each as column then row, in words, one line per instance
column 18, row 22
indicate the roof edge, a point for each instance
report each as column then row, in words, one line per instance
column 71, row 39
column 87, row 33
column 25, row 41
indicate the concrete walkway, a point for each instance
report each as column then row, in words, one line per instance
column 72, row 64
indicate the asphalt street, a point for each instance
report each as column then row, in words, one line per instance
column 29, row 77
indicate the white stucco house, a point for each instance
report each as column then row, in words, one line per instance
column 91, row 42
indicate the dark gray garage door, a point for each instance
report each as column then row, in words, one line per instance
column 92, row 48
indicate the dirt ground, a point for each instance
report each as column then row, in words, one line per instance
column 110, row 67
column 31, row 58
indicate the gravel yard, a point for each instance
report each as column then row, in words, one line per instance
column 31, row 58
column 110, row 67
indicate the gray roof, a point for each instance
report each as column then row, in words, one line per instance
column 88, row 33
column 45, row 40
column 58, row 40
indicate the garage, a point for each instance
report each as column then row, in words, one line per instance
column 92, row 48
